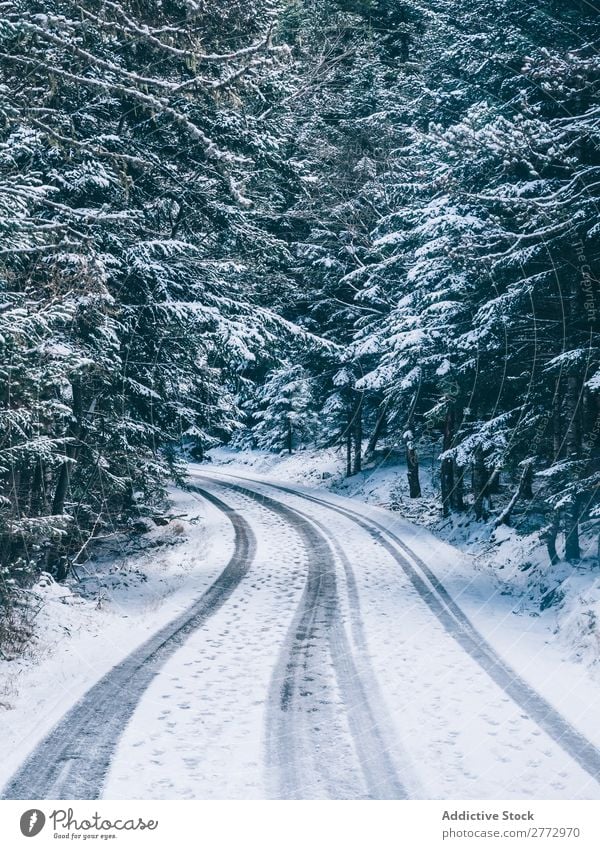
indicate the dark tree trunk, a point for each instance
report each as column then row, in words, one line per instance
column 527, row 482
column 493, row 484
column 74, row 434
column 61, row 567
column 56, row 559
column 349, row 448
column 447, row 483
column 36, row 504
column 62, row 485
column 447, row 470
column 551, row 534
column 357, row 433
column 458, row 498
column 412, row 463
column 523, row 491
column 380, row 426
column 572, row 547
column 198, row 450
column 412, row 466
column 289, row 436
column 573, row 449
column 479, row 484
column 557, row 436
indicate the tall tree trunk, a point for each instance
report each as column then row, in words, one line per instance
column 74, row 434
column 357, row 433
column 557, row 435
column 380, row 426
column 412, row 466
column 551, row 534
column 493, row 484
column 64, row 477
column 349, row 445
column 289, row 435
column 36, row 503
column 458, row 497
column 527, row 481
column 573, row 449
column 572, row 547
column 56, row 560
column 479, row 483
column 447, row 470
column 348, row 455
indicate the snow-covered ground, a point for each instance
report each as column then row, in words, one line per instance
column 198, row 730
column 327, row 671
column 451, row 731
column 83, row 629
column 564, row 598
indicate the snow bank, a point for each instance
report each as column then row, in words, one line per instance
column 565, row 597
column 83, row 628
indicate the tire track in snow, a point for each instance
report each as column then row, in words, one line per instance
column 458, row 626
column 299, row 727
column 73, row 759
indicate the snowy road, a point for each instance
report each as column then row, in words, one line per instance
column 72, row 761
column 326, row 661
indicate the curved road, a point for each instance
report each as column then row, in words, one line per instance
column 317, row 642
column 329, row 731
column 72, row 761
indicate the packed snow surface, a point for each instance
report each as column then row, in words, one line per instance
column 326, row 673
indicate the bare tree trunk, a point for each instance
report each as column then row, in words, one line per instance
column 458, row 497
column 412, row 466
column 357, row 433
column 380, row 426
column 527, row 481
column 289, row 435
column 74, row 434
column 573, row 448
column 36, row 503
column 493, row 484
column 447, row 469
column 56, row 560
column 349, row 448
column 62, row 484
column 572, row 547
column 479, row 484
column 557, row 403
column 551, row 534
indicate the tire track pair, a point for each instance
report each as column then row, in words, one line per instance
column 458, row 626
column 73, row 759
column 297, row 751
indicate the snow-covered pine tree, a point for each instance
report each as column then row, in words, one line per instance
column 285, row 416
column 133, row 213
column 343, row 116
column 485, row 248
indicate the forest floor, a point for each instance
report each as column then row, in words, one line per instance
column 345, row 653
